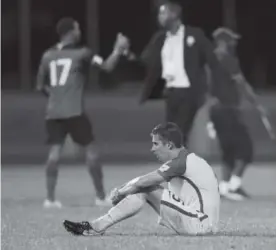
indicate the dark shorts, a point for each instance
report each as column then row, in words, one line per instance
column 78, row 127
column 234, row 138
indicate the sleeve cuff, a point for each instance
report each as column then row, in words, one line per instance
column 97, row 60
column 166, row 178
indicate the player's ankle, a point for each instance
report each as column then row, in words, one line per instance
column 235, row 182
column 51, row 199
column 101, row 224
column 101, row 197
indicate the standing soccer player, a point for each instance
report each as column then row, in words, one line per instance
column 62, row 76
column 190, row 205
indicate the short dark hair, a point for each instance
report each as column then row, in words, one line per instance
column 174, row 7
column 169, row 132
column 65, row 25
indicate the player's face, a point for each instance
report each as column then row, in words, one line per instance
column 165, row 16
column 160, row 149
column 222, row 47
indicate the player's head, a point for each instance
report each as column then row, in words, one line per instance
column 166, row 141
column 169, row 13
column 225, row 38
column 68, row 29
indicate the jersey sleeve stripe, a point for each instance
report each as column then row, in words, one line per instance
column 197, row 192
column 166, row 178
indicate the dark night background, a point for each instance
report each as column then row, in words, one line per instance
column 255, row 21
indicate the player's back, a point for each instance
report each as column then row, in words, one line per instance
column 203, row 176
column 67, row 71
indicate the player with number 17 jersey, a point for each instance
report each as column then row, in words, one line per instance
column 66, row 70
column 62, row 76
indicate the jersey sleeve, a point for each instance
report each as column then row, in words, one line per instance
column 173, row 168
column 93, row 58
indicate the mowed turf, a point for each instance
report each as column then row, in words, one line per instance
column 27, row 226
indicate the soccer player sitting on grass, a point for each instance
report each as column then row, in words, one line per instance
column 190, row 205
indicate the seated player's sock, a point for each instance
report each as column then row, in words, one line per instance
column 235, row 182
column 51, row 182
column 126, row 208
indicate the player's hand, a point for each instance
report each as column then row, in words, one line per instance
column 115, row 196
column 212, row 101
column 122, row 43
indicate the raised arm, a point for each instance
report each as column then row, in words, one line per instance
column 120, row 47
column 245, row 87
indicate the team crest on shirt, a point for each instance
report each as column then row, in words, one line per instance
column 164, row 168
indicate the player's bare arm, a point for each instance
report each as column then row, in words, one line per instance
column 137, row 185
column 121, row 45
column 148, row 180
column 246, row 88
column 41, row 81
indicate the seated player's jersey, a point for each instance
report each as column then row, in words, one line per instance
column 65, row 70
column 192, row 179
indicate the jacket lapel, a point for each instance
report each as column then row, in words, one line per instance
column 187, row 50
column 185, row 39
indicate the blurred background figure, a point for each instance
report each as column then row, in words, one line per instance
column 225, row 113
column 27, row 31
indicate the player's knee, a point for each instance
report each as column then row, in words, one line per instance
column 141, row 196
column 92, row 156
column 139, row 199
column 54, row 156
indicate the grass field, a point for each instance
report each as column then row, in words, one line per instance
column 26, row 225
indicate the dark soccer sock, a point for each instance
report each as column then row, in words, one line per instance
column 237, row 174
column 96, row 173
column 226, row 172
column 239, row 168
column 51, row 180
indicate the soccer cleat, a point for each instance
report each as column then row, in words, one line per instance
column 80, row 228
column 52, row 204
column 103, row 202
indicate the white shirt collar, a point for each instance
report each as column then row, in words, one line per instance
column 179, row 32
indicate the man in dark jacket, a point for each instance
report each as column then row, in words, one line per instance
column 174, row 60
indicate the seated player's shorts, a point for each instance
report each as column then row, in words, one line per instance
column 182, row 219
column 233, row 135
column 78, row 127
